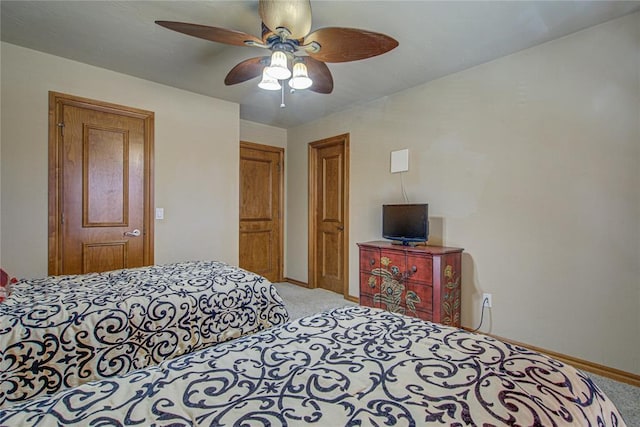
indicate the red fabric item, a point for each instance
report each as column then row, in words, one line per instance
column 4, row 281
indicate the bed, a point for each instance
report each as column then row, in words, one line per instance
column 61, row 331
column 345, row 367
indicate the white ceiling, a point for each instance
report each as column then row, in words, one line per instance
column 436, row 38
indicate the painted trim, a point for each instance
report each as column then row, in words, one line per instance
column 296, row 282
column 585, row 365
column 306, row 285
column 353, row 299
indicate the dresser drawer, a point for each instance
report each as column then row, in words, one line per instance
column 420, row 268
column 369, row 259
column 369, row 286
column 394, row 262
column 423, row 292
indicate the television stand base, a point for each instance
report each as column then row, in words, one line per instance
column 412, row 244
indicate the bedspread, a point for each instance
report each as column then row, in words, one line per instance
column 62, row 331
column 346, row 367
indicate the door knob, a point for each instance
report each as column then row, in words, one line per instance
column 340, row 227
column 134, row 233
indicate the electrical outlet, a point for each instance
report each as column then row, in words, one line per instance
column 486, row 300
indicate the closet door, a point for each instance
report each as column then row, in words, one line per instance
column 329, row 214
column 261, row 188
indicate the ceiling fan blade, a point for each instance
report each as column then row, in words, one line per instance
column 348, row 44
column 294, row 15
column 320, row 75
column 214, row 34
column 246, row 70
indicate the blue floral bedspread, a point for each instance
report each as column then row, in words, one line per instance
column 62, row 331
column 353, row 366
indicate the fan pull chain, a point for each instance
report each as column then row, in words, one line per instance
column 282, row 105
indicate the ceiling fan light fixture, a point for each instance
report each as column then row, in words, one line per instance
column 300, row 79
column 278, row 68
column 268, row 82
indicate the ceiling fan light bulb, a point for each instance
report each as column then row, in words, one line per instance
column 268, row 82
column 278, row 68
column 300, row 79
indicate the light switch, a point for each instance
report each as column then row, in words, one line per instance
column 400, row 161
column 159, row 213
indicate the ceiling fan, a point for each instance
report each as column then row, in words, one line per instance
column 286, row 26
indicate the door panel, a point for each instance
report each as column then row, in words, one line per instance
column 105, row 177
column 328, row 201
column 256, row 251
column 331, row 182
column 331, row 258
column 256, row 174
column 261, row 181
column 100, row 177
column 104, row 256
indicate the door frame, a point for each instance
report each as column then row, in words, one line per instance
column 314, row 146
column 56, row 150
column 280, row 152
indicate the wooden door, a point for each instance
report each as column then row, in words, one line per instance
column 99, row 186
column 261, row 201
column 328, row 214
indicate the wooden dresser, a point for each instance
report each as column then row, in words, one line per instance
column 420, row 281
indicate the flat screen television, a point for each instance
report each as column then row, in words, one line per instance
column 406, row 224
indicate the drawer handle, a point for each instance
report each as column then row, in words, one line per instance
column 372, row 261
column 410, row 273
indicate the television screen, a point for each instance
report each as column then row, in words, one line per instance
column 406, row 223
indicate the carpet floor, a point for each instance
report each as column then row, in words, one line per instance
column 302, row 302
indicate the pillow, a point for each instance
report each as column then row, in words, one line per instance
column 5, row 282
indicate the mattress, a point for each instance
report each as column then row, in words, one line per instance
column 345, row 367
column 62, row 331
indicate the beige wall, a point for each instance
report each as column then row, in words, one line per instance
column 196, row 151
column 532, row 164
column 263, row 134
